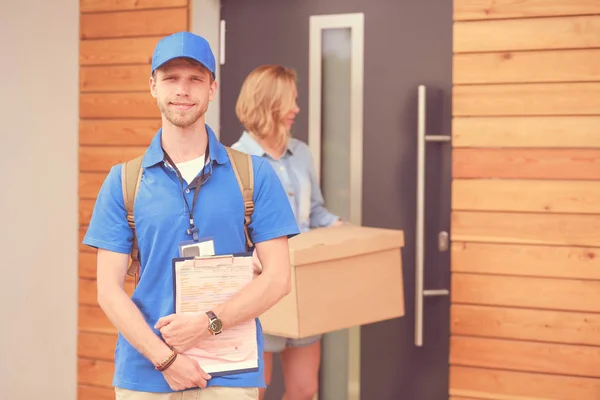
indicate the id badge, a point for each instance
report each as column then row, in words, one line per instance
column 204, row 247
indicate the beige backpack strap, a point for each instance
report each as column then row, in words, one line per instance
column 242, row 167
column 131, row 176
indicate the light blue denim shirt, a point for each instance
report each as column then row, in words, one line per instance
column 296, row 172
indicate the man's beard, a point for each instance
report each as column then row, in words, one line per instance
column 181, row 119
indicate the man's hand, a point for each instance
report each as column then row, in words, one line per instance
column 185, row 373
column 183, row 331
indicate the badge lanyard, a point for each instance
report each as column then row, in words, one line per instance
column 193, row 229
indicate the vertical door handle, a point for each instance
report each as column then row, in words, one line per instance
column 420, row 292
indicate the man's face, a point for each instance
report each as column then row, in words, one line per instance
column 183, row 89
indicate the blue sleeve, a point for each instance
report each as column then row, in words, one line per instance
column 319, row 215
column 108, row 228
column 273, row 216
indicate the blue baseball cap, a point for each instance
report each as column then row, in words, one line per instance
column 183, row 44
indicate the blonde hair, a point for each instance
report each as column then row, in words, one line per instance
column 265, row 98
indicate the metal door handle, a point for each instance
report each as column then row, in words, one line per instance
column 420, row 293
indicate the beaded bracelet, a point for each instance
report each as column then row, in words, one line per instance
column 166, row 363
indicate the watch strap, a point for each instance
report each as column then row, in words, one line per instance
column 211, row 315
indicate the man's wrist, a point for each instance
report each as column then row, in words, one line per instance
column 161, row 352
column 202, row 323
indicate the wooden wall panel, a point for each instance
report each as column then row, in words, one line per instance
column 526, row 163
column 578, row 32
column 525, row 356
column 95, row 372
column 118, row 105
column 133, row 23
column 505, row 9
column 117, row 51
column 102, row 158
column 528, row 66
column 93, row 319
column 573, row 262
column 527, row 99
column 118, row 119
column 525, row 223
column 521, row 228
column 89, row 184
column 526, row 324
column 526, row 292
column 87, row 265
column 527, row 132
column 493, row 384
column 82, row 248
column 551, row 196
column 87, row 6
column 114, row 78
column 128, row 132
column 96, row 346
column 85, row 392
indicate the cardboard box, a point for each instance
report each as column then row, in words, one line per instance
column 341, row 277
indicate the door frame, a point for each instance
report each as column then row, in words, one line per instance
column 355, row 22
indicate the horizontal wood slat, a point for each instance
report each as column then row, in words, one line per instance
column 504, row 9
column 550, row 229
column 527, row 34
column 117, row 51
column 96, row 345
column 492, row 384
column 85, row 392
column 95, row 372
column 133, row 23
column 540, row 293
column 101, row 159
column 93, row 319
column 89, row 184
column 86, row 6
column 527, row 99
column 525, row 356
column 88, row 294
column 526, row 163
column 86, row 207
column 541, row 261
column 114, row 78
column 118, row 105
column 577, row 197
column 87, row 265
column 133, row 132
column 464, row 398
column 527, row 67
column 567, row 132
column 83, row 248
column 523, row 324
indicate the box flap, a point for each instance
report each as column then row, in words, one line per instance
column 337, row 242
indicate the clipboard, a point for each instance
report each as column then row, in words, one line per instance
column 235, row 350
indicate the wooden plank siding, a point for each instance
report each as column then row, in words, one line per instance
column 525, row 227
column 118, row 118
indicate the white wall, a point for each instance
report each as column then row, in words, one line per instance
column 38, row 198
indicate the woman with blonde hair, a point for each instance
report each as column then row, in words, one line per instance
column 267, row 108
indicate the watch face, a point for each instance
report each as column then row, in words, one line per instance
column 216, row 326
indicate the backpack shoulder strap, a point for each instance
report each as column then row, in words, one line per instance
column 131, row 175
column 242, row 167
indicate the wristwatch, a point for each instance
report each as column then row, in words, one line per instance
column 215, row 326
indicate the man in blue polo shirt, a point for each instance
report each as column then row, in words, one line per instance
column 187, row 173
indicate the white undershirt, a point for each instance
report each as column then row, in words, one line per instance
column 190, row 169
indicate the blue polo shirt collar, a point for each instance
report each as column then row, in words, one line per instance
column 252, row 147
column 155, row 155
